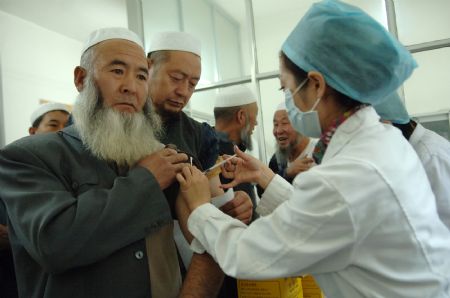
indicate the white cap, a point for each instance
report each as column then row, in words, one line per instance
column 175, row 41
column 281, row 106
column 234, row 96
column 111, row 33
column 47, row 107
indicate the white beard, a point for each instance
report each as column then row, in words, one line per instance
column 124, row 138
column 282, row 155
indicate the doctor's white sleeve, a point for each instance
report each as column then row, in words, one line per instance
column 438, row 172
column 277, row 192
column 296, row 238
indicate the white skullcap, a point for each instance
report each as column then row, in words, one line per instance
column 281, row 106
column 47, row 107
column 234, row 96
column 175, row 41
column 111, row 33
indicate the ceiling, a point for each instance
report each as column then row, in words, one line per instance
column 72, row 18
column 77, row 18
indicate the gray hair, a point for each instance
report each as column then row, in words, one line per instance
column 87, row 59
column 227, row 113
column 158, row 58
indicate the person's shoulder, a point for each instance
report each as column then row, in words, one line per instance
column 186, row 118
column 428, row 143
column 34, row 141
column 41, row 144
column 434, row 140
column 273, row 158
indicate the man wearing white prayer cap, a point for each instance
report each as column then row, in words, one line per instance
column 175, row 69
column 235, row 113
column 48, row 117
column 86, row 209
column 293, row 151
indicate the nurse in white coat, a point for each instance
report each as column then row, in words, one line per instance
column 432, row 149
column 363, row 221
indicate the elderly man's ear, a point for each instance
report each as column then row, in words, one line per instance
column 79, row 74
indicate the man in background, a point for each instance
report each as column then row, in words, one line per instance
column 235, row 113
column 293, row 151
column 49, row 117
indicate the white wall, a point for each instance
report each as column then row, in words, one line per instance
column 36, row 64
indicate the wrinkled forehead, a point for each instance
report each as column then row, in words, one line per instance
column 280, row 115
column 120, row 49
column 185, row 62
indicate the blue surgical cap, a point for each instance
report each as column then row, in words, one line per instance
column 354, row 53
column 392, row 109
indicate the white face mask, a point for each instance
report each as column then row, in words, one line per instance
column 306, row 123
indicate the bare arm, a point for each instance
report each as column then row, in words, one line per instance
column 204, row 277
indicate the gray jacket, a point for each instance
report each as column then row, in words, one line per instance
column 77, row 228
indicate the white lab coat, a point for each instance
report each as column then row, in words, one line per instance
column 363, row 222
column 434, row 152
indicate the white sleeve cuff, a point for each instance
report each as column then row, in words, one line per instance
column 196, row 220
column 277, row 192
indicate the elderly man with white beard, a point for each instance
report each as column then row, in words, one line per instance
column 86, row 208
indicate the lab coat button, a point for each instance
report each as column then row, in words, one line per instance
column 139, row 254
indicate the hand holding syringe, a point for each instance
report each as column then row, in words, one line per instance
column 218, row 164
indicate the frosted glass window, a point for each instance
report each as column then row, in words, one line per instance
column 274, row 21
column 428, row 89
column 164, row 18
column 421, row 21
column 441, row 127
column 198, row 20
column 232, row 39
column 220, row 25
column 271, row 96
column 229, row 61
column 203, row 101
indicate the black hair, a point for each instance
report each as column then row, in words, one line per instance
column 407, row 129
column 39, row 119
column 158, row 58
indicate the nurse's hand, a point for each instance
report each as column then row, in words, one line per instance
column 194, row 187
column 246, row 168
